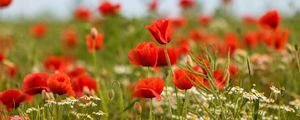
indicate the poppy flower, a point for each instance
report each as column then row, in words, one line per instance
column 38, row 30
column 76, row 72
column 94, row 42
column 197, row 35
column 204, row 19
column 70, row 38
column 161, row 31
column 34, row 83
column 60, row 83
column 149, row 88
column 5, row 3
column 251, row 39
column 83, row 81
column 145, row 54
column 280, row 38
column 11, row 71
column 270, row 20
column 178, row 22
column 232, row 69
column 153, row 5
column 219, row 79
column 231, row 43
column 187, row 3
column 183, row 49
column 108, row 8
column 2, row 57
column 182, row 79
column 247, row 19
column 173, row 56
column 12, row 98
column 82, row 13
column 55, row 63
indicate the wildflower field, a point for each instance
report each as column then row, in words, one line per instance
column 191, row 67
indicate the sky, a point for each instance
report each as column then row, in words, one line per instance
column 135, row 8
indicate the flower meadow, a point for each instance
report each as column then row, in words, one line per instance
column 190, row 67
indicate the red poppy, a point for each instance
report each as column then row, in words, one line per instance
column 249, row 19
column 204, row 19
column 76, row 72
column 219, row 79
column 270, row 20
column 2, row 57
column 83, row 81
column 197, row 35
column 232, row 69
column 173, row 56
column 94, row 42
column 38, row 30
column 60, row 83
column 145, row 54
column 251, row 39
column 82, row 13
column 183, row 49
column 11, row 71
column 182, row 79
column 34, row 83
column 153, row 5
column 231, row 43
column 161, row 31
column 12, row 98
column 55, row 63
column 5, row 3
column 108, row 8
column 178, row 22
column 280, row 38
column 149, row 88
column 70, row 38
column 187, row 3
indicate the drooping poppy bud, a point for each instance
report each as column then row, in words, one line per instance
column 94, row 41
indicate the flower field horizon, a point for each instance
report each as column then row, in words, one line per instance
column 111, row 67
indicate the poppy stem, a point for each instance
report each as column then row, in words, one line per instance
column 103, row 99
column 150, row 112
column 185, row 102
column 167, row 81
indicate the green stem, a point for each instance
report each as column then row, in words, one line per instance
column 102, row 88
column 150, row 112
column 185, row 102
column 169, row 75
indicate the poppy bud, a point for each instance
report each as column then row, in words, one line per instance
column 137, row 108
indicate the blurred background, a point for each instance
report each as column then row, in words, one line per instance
column 62, row 9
